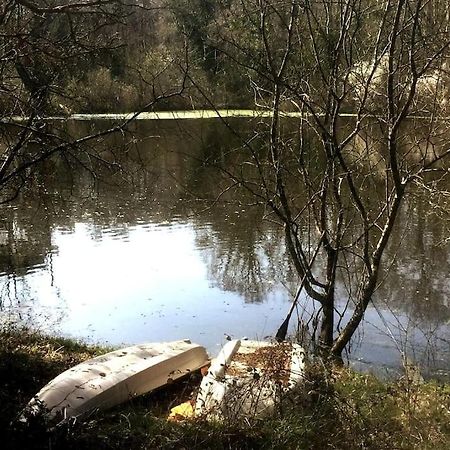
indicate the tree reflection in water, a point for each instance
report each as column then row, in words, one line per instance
column 165, row 176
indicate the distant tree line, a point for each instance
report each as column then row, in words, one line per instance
column 114, row 55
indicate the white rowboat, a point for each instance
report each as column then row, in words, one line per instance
column 115, row 377
column 248, row 378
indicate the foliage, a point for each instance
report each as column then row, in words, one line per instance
column 100, row 92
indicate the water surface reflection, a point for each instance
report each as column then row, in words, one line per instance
column 142, row 254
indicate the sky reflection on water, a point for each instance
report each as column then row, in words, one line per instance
column 150, row 286
column 143, row 261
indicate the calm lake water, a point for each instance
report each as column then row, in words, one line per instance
column 134, row 255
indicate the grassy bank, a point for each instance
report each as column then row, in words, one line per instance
column 343, row 410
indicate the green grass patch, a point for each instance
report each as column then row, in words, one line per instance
column 337, row 409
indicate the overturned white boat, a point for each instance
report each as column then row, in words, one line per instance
column 115, row 377
column 249, row 378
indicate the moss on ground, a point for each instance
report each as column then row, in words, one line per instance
column 343, row 410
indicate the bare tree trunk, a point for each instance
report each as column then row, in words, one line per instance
column 327, row 326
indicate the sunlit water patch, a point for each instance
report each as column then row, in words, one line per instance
column 151, row 285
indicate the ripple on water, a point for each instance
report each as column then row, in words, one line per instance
column 25, row 271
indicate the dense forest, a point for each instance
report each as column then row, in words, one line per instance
column 115, row 56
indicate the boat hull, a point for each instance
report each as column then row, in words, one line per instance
column 248, row 378
column 116, row 377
